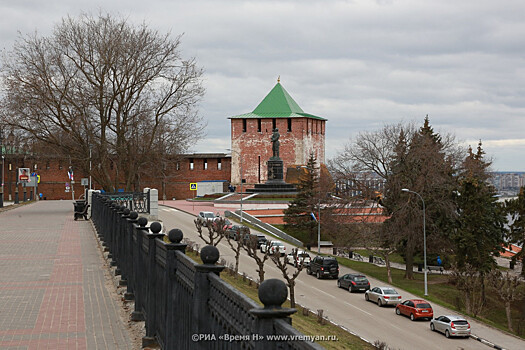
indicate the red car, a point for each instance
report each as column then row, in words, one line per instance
column 415, row 308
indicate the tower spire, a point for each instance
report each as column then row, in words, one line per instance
column 279, row 79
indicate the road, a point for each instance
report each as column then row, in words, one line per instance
column 350, row 309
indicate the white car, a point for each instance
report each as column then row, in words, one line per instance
column 273, row 247
column 383, row 296
column 451, row 326
column 301, row 257
column 205, row 217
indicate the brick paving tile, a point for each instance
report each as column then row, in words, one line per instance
column 53, row 291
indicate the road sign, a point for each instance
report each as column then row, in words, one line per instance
column 84, row 181
column 193, row 186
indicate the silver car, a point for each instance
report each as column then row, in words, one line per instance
column 452, row 326
column 383, row 296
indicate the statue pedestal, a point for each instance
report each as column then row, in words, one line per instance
column 275, row 183
column 275, row 171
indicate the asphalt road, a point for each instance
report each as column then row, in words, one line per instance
column 350, row 309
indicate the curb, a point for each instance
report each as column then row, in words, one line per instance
column 486, row 342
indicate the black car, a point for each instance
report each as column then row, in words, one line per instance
column 237, row 231
column 323, row 266
column 256, row 238
column 354, row 282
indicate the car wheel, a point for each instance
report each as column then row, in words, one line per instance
column 338, row 284
column 447, row 334
column 318, row 275
column 432, row 327
column 350, row 289
column 398, row 312
column 412, row 318
column 367, row 298
column 308, row 271
column 379, row 302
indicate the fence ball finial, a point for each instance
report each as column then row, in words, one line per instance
column 155, row 227
column 273, row 293
column 142, row 221
column 126, row 211
column 209, row 254
column 175, row 235
column 133, row 215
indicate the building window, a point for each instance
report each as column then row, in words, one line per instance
column 259, row 124
column 60, row 165
column 177, row 166
column 191, row 164
column 35, row 166
column 219, row 164
column 274, row 124
column 289, row 124
column 244, row 125
column 205, row 164
column 47, row 165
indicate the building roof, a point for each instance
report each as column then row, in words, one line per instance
column 277, row 104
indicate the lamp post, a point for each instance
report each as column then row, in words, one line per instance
column 424, row 238
column 240, row 161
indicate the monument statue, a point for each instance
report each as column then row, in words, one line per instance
column 275, row 142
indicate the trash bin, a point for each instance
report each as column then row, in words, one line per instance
column 512, row 265
column 351, row 254
column 420, row 267
column 371, row 259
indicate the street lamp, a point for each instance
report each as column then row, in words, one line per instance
column 424, row 238
column 240, row 161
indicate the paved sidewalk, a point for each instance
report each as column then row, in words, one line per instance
column 53, row 289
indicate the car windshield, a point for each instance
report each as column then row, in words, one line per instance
column 389, row 291
column 329, row 262
column 278, row 243
column 208, row 215
column 360, row 279
column 303, row 255
column 423, row 306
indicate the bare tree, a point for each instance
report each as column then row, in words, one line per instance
column 468, row 280
column 100, row 86
column 213, row 236
column 250, row 247
column 509, row 289
column 282, row 265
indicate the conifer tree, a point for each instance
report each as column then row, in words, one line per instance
column 298, row 215
column 516, row 209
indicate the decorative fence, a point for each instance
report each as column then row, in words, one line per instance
column 134, row 201
column 186, row 305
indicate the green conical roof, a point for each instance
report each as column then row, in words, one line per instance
column 278, row 101
column 277, row 104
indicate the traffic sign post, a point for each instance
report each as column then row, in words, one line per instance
column 193, row 187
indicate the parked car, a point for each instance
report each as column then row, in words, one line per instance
column 301, row 257
column 205, row 217
column 415, row 309
column 354, row 282
column 323, row 266
column 258, row 239
column 273, row 247
column 226, row 224
column 383, row 296
column 451, row 326
column 238, row 232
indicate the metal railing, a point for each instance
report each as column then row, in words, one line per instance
column 186, row 305
column 134, row 201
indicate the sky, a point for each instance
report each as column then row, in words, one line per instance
column 360, row 64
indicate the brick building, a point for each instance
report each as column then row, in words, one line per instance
column 300, row 134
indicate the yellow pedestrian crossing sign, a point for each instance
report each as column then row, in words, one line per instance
column 193, row 186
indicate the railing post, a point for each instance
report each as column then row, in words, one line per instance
column 149, row 338
column 139, row 269
column 201, row 316
column 128, row 241
column 123, row 255
column 272, row 293
column 175, row 237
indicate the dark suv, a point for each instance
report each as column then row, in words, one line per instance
column 237, row 231
column 323, row 266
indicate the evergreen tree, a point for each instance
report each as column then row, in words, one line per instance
column 420, row 165
column 516, row 209
column 298, row 214
column 480, row 232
